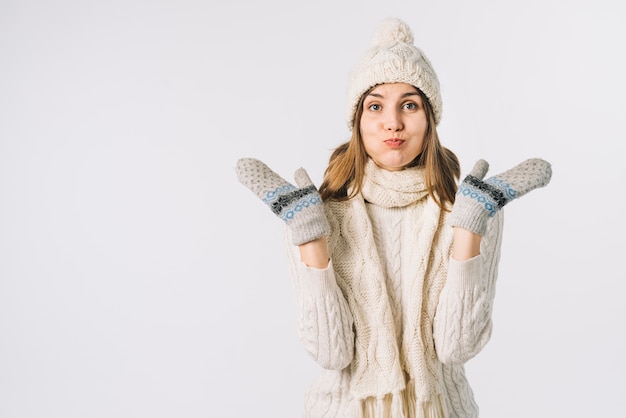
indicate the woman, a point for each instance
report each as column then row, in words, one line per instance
column 394, row 269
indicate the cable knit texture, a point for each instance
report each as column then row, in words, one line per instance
column 394, row 318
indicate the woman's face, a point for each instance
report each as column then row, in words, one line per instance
column 393, row 125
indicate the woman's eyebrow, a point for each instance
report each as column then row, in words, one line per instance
column 407, row 94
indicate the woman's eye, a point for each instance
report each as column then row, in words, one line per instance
column 410, row 106
column 374, row 107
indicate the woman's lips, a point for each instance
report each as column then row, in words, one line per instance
column 394, row 142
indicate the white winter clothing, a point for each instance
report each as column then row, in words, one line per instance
column 394, row 318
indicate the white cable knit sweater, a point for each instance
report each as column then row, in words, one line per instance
column 393, row 318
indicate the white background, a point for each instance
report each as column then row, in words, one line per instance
column 138, row 278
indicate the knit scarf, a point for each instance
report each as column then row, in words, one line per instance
column 379, row 364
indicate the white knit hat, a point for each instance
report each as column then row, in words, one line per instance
column 392, row 58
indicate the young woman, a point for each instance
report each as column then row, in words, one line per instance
column 394, row 265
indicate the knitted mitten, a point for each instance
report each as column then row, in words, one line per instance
column 478, row 200
column 300, row 207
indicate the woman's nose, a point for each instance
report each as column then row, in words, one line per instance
column 393, row 121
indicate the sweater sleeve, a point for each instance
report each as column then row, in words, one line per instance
column 324, row 318
column 462, row 324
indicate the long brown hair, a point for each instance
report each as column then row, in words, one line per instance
column 343, row 178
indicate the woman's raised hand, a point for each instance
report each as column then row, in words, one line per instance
column 477, row 200
column 300, row 207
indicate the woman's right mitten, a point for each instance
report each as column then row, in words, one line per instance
column 301, row 207
column 477, row 200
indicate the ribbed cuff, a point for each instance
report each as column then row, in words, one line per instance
column 471, row 217
column 465, row 275
column 317, row 282
column 309, row 227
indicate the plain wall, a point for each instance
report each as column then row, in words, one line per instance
column 138, row 278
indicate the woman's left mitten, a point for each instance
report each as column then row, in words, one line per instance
column 477, row 200
column 300, row 207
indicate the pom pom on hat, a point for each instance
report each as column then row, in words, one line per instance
column 393, row 58
column 392, row 30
